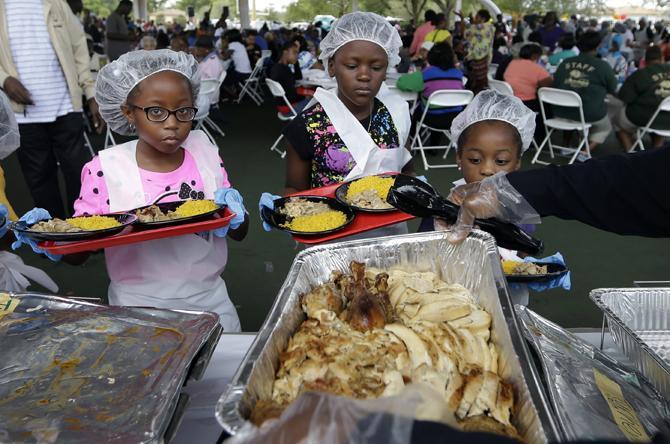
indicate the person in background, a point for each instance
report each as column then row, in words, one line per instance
column 479, row 45
column 550, row 31
column 240, row 69
column 271, row 40
column 421, row 32
column 440, row 33
column 178, row 43
column 440, row 74
column 617, row 61
column 148, row 43
column 526, row 76
column 567, row 49
column 643, row 37
column 45, row 71
column 306, row 58
column 118, row 38
column 253, row 50
column 420, row 60
column 640, row 95
column 592, row 78
column 500, row 51
column 286, row 71
column 258, row 39
column 210, row 64
column 162, row 40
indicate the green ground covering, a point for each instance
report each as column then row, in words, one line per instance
column 257, row 267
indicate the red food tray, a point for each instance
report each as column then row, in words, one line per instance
column 133, row 235
column 363, row 221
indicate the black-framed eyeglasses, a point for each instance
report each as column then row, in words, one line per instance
column 160, row 114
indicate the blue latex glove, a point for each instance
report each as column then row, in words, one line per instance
column 32, row 217
column 231, row 198
column 4, row 212
column 267, row 200
column 559, row 282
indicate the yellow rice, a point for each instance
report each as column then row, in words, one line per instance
column 92, row 223
column 328, row 220
column 509, row 266
column 380, row 185
column 195, row 207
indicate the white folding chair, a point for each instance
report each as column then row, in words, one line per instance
column 501, row 86
column 251, row 86
column 442, row 99
column 278, row 91
column 109, row 138
column 493, row 68
column 664, row 106
column 505, row 88
column 465, row 80
column 208, row 88
column 265, row 53
column 568, row 99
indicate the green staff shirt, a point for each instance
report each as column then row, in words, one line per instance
column 643, row 91
column 589, row 77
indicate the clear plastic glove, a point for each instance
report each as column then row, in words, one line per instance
column 492, row 197
column 267, row 200
column 231, row 198
column 4, row 212
column 562, row 281
column 32, row 217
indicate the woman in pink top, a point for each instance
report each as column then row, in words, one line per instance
column 526, row 76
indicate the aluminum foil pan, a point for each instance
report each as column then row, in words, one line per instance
column 594, row 396
column 639, row 320
column 474, row 263
column 81, row 373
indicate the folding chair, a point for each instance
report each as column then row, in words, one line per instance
column 109, row 138
column 251, row 86
column 501, row 86
column 208, row 88
column 213, row 103
column 443, row 99
column 87, row 140
column 569, row 99
column 664, row 106
column 493, row 69
column 278, row 91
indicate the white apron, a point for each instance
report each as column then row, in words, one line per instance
column 177, row 273
column 369, row 158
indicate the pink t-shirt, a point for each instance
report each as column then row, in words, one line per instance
column 94, row 197
column 525, row 75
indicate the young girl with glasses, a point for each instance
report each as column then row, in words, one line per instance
column 151, row 94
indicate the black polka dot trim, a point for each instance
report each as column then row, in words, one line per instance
column 100, row 174
column 193, row 182
column 107, row 201
column 95, row 191
column 167, row 188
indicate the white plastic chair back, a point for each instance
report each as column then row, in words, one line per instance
column 265, row 53
column 493, row 68
column 665, row 105
column 560, row 97
column 449, row 98
column 465, row 80
column 501, row 87
column 275, row 88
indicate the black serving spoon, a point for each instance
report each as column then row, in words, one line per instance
column 415, row 197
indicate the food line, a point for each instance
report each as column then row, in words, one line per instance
column 408, row 318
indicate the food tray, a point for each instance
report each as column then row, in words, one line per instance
column 133, row 235
column 639, row 320
column 364, row 221
column 86, row 373
column 474, row 263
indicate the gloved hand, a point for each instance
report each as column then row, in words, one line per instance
column 562, row 281
column 422, row 178
column 492, row 197
column 4, row 212
column 267, row 200
column 32, row 217
column 231, row 198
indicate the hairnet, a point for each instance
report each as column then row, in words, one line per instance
column 117, row 79
column 492, row 105
column 9, row 129
column 362, row 26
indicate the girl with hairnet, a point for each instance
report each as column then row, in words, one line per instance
column 358, row 128
column 491, row 134
column 152, row 94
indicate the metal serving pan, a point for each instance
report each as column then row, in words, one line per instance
column 639, row 320
column 77, row 372
column 474, row 263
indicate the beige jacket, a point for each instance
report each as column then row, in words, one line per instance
column 69, row 43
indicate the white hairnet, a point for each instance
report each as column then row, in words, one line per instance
column 9, row 129
column 492, row 105
column 362, row 26
column 117, row 79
